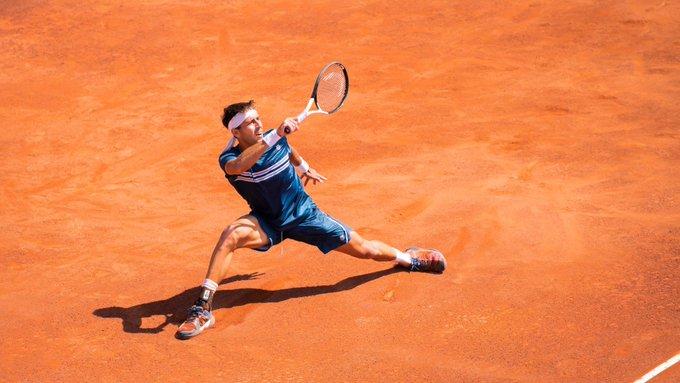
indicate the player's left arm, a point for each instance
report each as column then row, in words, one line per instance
column 306, row 172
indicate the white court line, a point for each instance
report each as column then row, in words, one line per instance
column 659, row 369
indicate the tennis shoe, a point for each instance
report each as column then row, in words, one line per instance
column 426, row 260
column 198, row 320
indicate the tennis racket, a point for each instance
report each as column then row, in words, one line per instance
column 330, row 91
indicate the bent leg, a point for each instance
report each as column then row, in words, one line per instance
column 369, row 249
column 245, row 232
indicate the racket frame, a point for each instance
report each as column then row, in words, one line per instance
column 313, row 101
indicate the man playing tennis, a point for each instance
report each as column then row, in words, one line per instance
column 260, row 168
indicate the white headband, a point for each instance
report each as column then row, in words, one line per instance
column 235, row 122
column 238, row 119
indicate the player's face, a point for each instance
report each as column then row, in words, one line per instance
column 250, row 130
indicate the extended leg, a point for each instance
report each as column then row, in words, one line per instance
column 369, row 249
column 414, row 258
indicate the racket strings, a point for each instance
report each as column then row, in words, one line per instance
column 332, row 89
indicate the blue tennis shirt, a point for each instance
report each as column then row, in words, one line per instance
column 271, row 187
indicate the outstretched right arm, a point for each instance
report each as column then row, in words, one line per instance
column 249, row 157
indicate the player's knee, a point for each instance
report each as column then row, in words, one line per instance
column 233, row 235
column 226, row 232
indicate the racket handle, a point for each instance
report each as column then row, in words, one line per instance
column 301, row 117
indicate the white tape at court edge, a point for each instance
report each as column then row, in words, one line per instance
column 659, row 369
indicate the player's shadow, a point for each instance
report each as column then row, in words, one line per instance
column 175, row 308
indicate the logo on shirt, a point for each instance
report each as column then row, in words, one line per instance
column 278, row 147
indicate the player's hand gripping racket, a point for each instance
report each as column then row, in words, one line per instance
column 329, row 93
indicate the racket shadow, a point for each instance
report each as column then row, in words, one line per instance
column 174, row 308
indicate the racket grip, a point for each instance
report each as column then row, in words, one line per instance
column 301, row 117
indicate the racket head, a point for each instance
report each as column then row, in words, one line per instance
column 331, row 87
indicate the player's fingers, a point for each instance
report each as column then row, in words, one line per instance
column 306, row 181
column 289, row 125
column 292, row 123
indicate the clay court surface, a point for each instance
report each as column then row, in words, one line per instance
column 535, row 143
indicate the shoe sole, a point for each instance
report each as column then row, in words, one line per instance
column 185, row 336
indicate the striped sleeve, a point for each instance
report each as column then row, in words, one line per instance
column 227, row 156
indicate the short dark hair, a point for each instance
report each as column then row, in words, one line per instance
column 231, row 110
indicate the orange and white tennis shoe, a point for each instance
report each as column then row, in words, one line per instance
column 198, row 320
column 426, row 260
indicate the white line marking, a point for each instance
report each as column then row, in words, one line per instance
column 659, row 369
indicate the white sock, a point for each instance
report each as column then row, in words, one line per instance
column 210, row 284
column 209, row 288
column 403, row 259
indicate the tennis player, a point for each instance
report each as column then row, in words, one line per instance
column 260, row 166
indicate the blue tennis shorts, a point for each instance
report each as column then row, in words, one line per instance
column 317, row 228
